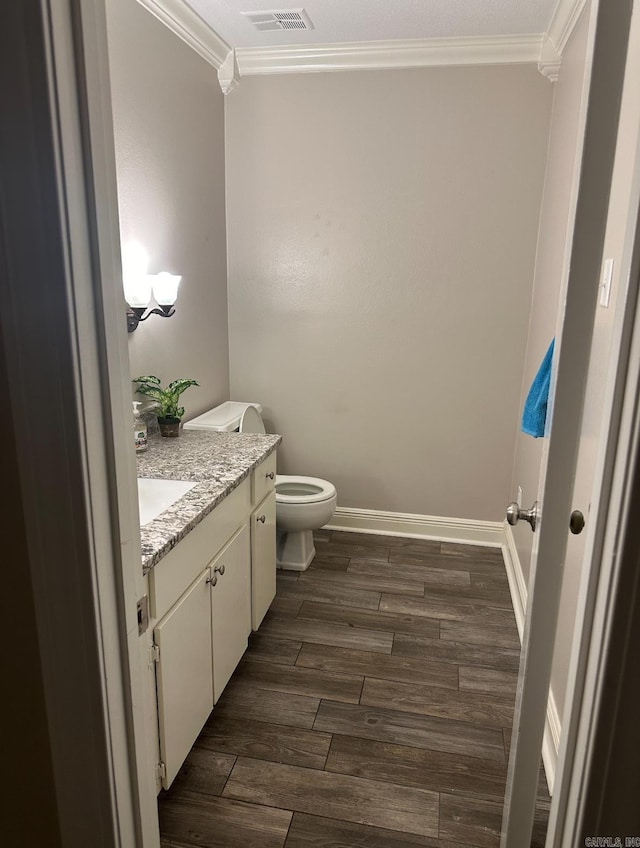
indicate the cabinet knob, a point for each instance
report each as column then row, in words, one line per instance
column 219, row 569
column 212, row 580
column 261, row 518
column 270, row 475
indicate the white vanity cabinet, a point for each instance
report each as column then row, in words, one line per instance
column 205, row 596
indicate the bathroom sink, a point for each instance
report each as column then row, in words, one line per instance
column 154, row 496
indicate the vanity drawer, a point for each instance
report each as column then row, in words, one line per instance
column 175, row 572
column 263, row 479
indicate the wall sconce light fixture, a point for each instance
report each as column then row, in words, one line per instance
column 139, row 286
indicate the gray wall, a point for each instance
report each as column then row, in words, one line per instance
column 169, row 135
column 381, row 233
column 554, row 223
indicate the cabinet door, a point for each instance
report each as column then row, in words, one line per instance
column 230, row 608
column 263, row 558
column 184, row 674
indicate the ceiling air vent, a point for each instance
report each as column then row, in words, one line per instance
column 286, row 19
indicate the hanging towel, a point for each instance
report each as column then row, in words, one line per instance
column 534, row 414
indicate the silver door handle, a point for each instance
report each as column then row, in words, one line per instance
column 515, row 514
column 212, row 580
column 219, row 569
column 261, row 518
column 270, row 475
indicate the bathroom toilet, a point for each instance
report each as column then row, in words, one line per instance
column 303, row 504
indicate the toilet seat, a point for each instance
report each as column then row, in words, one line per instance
column 292, row 489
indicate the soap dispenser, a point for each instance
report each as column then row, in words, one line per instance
column 139, row 428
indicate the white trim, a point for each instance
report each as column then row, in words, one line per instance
column 518, row 589
column 187, row 25
column 550, row 60
column 228, row 73
column 551, row 743
column 545, row 49
column 563, row 22
column 488, row 533
column 374, row 55
column 515, row 576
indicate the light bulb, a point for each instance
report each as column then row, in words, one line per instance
column 136, row 284
column 165, row 288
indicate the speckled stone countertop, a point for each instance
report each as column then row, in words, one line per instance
column 217, row 462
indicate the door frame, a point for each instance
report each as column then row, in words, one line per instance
column 80, row 69
column 64, row 338
column 610, row 29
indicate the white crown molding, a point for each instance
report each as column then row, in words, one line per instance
column 228, row 73
column 550, row 60
column 563, row 22
column 187, row 25
column 372, row 55
column 543, row 49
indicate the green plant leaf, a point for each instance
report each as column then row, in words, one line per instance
column 149, row 379
column 151, row 391
column 179, row 386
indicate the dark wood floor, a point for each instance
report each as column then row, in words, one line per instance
column 372, row 710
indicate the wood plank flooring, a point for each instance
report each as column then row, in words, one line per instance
column 372, row 710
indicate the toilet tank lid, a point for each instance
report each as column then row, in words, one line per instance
column 223, row 418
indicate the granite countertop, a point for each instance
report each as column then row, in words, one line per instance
column 216, row 462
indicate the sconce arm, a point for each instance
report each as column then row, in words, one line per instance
column 136, row 314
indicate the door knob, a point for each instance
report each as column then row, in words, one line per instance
column 576, row 522
column 515, row 514
column 261, row 518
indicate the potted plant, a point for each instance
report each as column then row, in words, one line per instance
column 169, row 413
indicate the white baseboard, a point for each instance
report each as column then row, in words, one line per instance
column 517, row 583
column 489, row 533
column 518, row 588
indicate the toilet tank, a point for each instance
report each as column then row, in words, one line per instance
column 224, row 418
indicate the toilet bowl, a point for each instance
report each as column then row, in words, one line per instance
column 303, row 504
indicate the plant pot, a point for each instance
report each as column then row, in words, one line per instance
column 169, row 427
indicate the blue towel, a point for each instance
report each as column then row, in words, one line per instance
column 534, row 414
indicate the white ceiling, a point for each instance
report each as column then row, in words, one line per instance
column 337, row 21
